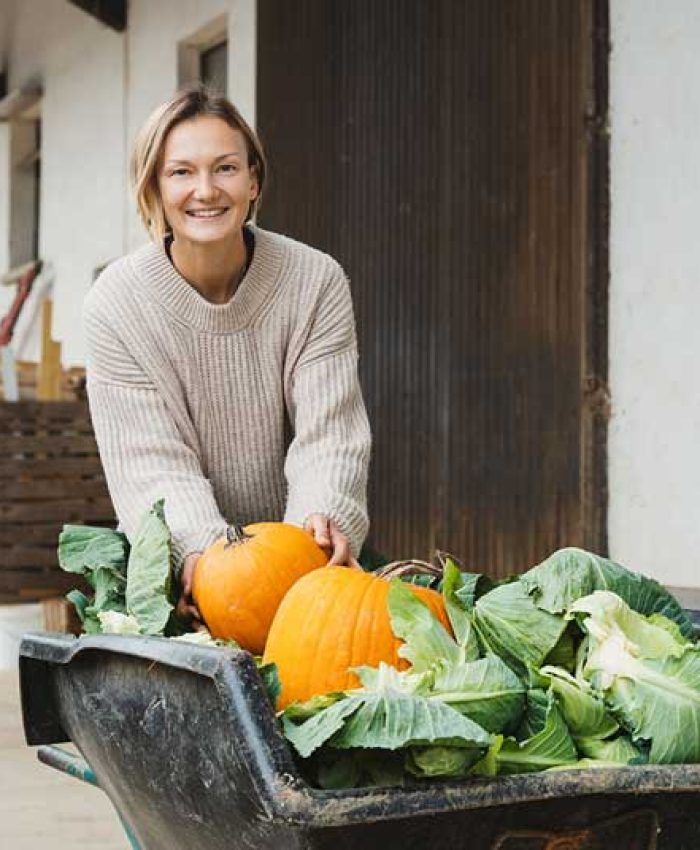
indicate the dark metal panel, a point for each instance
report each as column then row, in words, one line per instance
column 440, row 150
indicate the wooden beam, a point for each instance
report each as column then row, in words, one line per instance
column 110, row 12
column 49, row 384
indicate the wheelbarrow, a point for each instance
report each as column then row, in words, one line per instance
column 183, row 740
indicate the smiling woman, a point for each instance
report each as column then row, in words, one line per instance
column 222, row 358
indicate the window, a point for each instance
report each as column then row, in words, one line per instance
column 213, row 67
column 203, row 56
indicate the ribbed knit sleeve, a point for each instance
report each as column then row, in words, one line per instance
column 144, row 456
column 327, row 461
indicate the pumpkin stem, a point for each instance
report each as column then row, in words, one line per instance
column 443, row 556
column 235, row 535
column 411, row 567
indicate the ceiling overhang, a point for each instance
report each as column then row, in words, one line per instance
column 110, row 12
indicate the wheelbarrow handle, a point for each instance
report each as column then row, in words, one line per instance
column 78, row 768
column 69, row 763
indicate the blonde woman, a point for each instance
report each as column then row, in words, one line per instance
column 222, row 358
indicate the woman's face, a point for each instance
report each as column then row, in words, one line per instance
column 204, row 181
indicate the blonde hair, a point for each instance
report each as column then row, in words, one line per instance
column 188, row 103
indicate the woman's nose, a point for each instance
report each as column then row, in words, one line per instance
column 205, row 188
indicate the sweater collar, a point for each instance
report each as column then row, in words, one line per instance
column 153, row 267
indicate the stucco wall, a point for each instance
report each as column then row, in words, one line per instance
column 654, row 448
column 99, row 85
column 80, row 64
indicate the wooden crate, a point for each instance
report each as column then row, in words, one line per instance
column 72, row 382
column 58, row 615
column 50, row 475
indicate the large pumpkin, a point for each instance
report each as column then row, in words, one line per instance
column 331, row 620
column 240, row 580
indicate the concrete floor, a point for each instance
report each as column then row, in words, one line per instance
column 40, row 807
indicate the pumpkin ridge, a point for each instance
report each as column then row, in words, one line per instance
column 255, row 616
column 319, row 627
column 357, row 610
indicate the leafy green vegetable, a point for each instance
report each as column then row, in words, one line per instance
column 131, row 581
column 620, row 750
column 563, row 653
column 569, row 574
column 385, row 718
column 487, row 691
column 98, row 554
column 425, row 638
column 271, row 681
column 116, row 623
column 148, row 583
column 509, row 624
column 585, row 714
column 80, row 601
column 550, row 747
column 337, row 769
column 431, row 762
column 458, row 610
column 471, row 587
column 649, row 678
column 83, row 548
column 488, row 765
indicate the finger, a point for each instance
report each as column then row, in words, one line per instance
column 186, row 610
column 318, row 526
column 341, row 547
column 354, row 564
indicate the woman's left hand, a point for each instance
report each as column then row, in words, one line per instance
column 330, row 538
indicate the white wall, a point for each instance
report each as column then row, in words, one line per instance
column 654, row 448
column 80, row 64
column 99, row 86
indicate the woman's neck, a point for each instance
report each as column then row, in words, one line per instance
column 214, row 269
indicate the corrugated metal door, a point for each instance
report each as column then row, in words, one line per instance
column 445, row 153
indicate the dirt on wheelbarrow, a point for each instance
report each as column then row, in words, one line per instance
column 39, row 807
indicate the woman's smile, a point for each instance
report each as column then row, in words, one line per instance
column 215, row 212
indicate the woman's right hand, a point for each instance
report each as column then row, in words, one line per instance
column 185, row 609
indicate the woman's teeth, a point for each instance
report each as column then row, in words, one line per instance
column 206, row 213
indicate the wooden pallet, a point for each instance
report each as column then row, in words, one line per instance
column 50, row 475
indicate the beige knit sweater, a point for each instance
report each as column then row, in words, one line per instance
column 233, row 413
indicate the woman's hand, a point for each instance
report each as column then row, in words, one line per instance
column 330, row 538
column 186, row 609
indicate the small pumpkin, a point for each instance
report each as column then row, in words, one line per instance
column 240, row 580
column 330, row 621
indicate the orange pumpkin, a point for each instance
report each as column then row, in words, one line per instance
column 240, row 580
column 331, row 620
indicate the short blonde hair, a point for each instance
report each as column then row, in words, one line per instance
column 189, row 102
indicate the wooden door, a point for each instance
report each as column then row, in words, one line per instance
column 452, row 156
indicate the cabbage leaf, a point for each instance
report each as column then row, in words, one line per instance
column 570, row 574
column 650, row 680
column 149, row 575
column 509, row 624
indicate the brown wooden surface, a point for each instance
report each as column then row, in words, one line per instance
column 59, row 615
column 445, row 153
column 50, row 475
column 72, row 382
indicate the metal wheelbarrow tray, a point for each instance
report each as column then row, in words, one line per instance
column 185, row 743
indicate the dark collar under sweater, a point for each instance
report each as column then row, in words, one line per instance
column 153, row 268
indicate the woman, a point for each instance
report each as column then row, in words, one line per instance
column 222, row 359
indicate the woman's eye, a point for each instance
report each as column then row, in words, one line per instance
column 178, row 172
column 229, row 168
